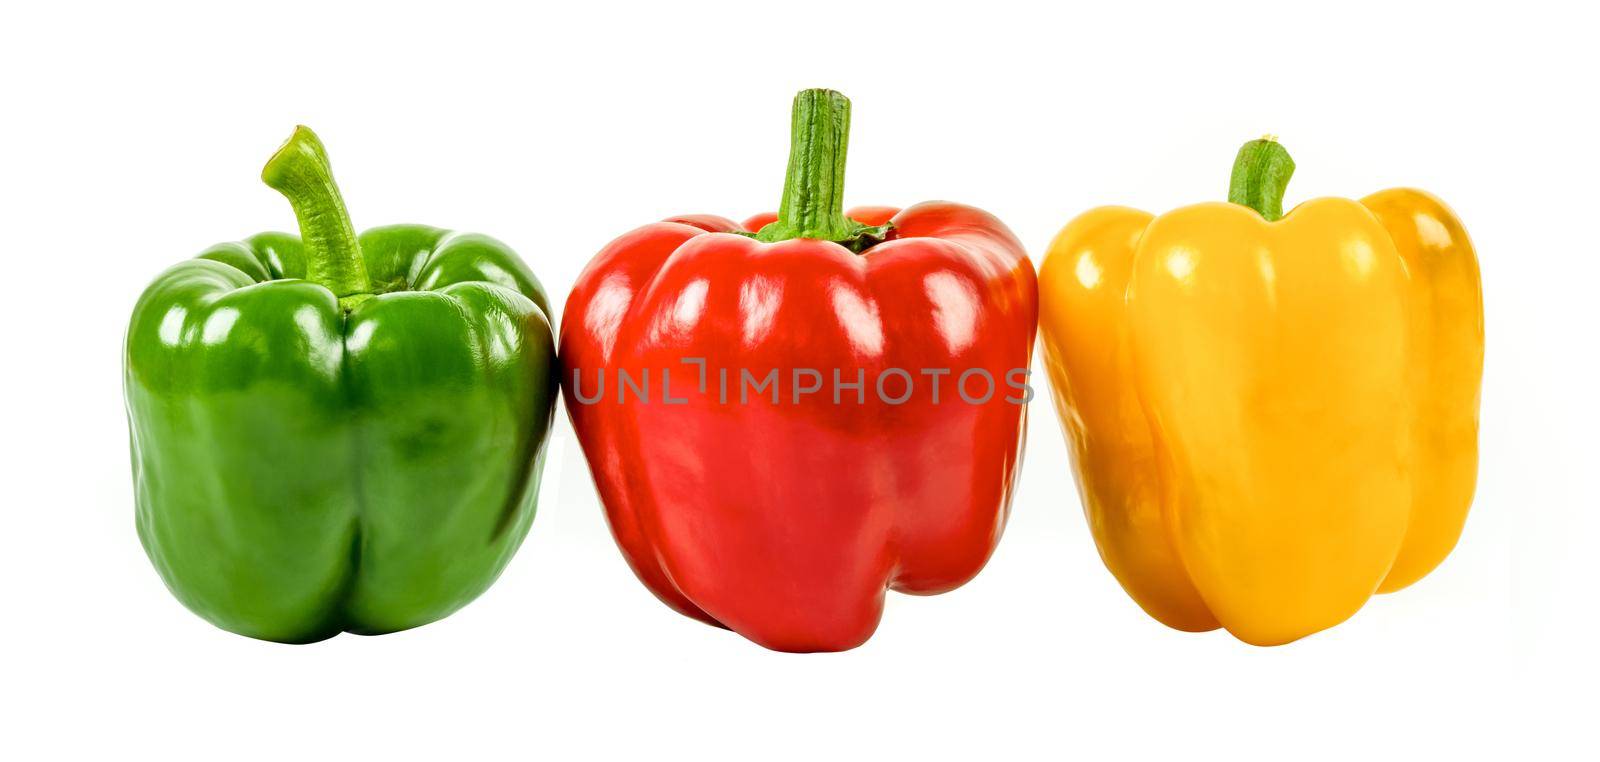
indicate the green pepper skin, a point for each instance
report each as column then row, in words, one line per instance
column 305, row 465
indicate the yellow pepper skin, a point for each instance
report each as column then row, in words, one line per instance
column 1270, row 419
column 1446, row 300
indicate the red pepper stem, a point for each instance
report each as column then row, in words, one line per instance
column 813, row 188
column 1261, row 173
column 300, row 171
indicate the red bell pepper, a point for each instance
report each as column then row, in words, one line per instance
column 783, row 512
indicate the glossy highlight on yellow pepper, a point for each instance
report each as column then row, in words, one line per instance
column 1271, row 419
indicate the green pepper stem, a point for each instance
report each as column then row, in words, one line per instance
column 1261, row 174
column 813, row 187
column 300, row 171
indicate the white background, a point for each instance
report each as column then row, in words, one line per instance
column 133, row 134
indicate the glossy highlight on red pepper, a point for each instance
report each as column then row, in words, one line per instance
column 785, row 514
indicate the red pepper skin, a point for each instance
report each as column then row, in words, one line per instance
column 787, row 522
column 760, row 220
column 710, row 223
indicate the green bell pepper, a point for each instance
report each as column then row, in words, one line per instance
column 344, row 434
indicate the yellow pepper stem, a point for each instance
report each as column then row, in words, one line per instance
column 1261, row 174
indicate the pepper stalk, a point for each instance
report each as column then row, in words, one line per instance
column 301, row 172
column 813, row 187
column 1261, row 173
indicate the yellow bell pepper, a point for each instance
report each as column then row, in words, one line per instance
column 1271, row 417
